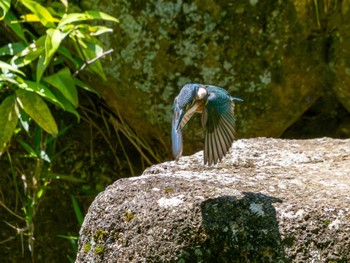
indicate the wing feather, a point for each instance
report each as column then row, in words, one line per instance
column 219, row 122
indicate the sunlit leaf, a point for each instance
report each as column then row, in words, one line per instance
column 11, row 49
column 40, row 193
column 30, row 53
column 52, row 43
column 10, row 79
column 43, row 14
column 24, row 120
column 88, row 15
column 4, row 65
column 44, row 156
column 90, row 52
column 65, row 3
column 41, row 90
column 8, row 120
column 4, row 7
column 30, row 18
column 66, row 104
column 36, row 108
column 63, row 81
column 94, row 30
column 27, row 59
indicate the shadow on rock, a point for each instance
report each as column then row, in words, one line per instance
column 241, row 230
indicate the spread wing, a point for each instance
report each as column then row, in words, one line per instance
column 218, row 121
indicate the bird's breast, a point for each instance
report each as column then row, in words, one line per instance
column 200, row 106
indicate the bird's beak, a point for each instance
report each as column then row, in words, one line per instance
column 176, row 134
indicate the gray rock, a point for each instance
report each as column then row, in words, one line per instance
column 270, row 200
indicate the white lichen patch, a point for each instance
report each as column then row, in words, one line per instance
column 291, row 214
column 170, row 202
column 257, row 209
column 335, row 224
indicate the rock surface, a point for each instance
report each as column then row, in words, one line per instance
column 270, row 200
column 280, row 56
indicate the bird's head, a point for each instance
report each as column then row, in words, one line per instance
column 187, row 98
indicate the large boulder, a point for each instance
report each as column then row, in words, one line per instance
column 280, row 56
column 270, row 200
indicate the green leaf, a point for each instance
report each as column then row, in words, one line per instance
column 88, row 15
column 90, row 52
column 8, row 120
column 36, row 108
column 27, row 59
column 86, row 86
column 66, row 53
column 4, row 65
column 11, row 49
column 52, row 43
column 94, row 30
column 30, row 18
column 28, row 148
column 41, row 90
column 40, row 67
column 68, row 178
column 63, row 81
column 10, row 20
column 77, row 210
column 30, row 53
column 65, row 3
column 4, row 6
column 43, row 14
column 10, row 79
column 66, row 104
column 24, row 120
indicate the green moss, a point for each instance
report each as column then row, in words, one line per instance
column 326, row 222
column 169, row 190
column 99, row 249
column 128, row 216
column 87, row 247
column 100, row 235
column 115, row 235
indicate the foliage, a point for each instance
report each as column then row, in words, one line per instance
column 36, row 77
column 37, row 81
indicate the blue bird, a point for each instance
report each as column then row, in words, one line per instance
column 217, row 109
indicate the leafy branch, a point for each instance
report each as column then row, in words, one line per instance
column 35, row 77
column 49, row 60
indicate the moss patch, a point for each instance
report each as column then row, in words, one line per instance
column 87, row 247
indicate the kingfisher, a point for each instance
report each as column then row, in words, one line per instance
column 217, row 108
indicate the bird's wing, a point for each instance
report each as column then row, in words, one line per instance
column 218, row 121
column 188, row 115
column 176, row 134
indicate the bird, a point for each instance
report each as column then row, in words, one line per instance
column 217, row 108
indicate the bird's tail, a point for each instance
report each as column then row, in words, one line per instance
column 235, row 98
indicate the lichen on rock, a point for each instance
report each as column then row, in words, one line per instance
column 270, row 200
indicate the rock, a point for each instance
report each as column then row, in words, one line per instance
column 270, row 200
column 280, row 56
